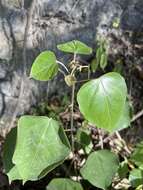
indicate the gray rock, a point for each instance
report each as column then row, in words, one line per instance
column 52, row 22
column 3, row 71
column 6, row 42
column 132, row 18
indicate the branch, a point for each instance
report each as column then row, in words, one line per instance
column 137, row 116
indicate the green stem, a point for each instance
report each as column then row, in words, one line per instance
column 72, row 119
column 72, row 106
column 72, row 128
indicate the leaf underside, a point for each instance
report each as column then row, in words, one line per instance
column 76, row 47
column 41, row 146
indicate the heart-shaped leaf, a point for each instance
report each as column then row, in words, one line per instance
column 44, row 67
column 100, row 168
column 41, row 144
column 102, row 100
column 63, row 184
column 76, row 47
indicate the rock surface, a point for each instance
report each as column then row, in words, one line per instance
column 28, row 27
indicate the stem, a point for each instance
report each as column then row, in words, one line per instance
column 137, row 116
column 83, row 66
column 72, row 119
column 74, row 69
column 123, row 142
column 72, row 128
column 61, row 71
column 72, row 106
column 63, row 66
column 88, row 72
column 80, row 81
column 74, row 57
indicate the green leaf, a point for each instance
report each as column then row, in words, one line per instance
column 136, row 177
column 125, row 118
column 14, row 174
column 76, row 47
column 102, row 100
column 65, row 141
column 44, row 67
column 94, row 65
column 98, row 54
column 48, row 169
column 123, row 169
column 83, row 139
column 41, row 143
column 137, row 156
column 140, row 187
column 63, row 184
column 103, row 61
column 100, row 168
